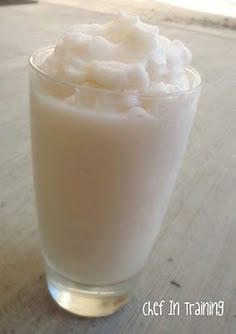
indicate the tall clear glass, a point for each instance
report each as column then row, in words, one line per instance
column 103, row 176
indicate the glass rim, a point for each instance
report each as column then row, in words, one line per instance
column 36, row 68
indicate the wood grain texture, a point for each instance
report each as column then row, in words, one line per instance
column 197, row 245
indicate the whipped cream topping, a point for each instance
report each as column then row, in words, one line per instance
column 125, row 54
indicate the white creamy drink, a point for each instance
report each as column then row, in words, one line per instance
column 109, row 128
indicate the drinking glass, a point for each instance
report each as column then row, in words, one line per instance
column 104, row 166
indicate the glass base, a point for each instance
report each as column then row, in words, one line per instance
column 87, row 300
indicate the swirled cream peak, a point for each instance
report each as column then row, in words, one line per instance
column 125, row 54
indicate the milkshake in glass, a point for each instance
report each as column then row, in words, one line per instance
column 112, row 107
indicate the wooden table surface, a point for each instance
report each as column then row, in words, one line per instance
column 194, row 258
